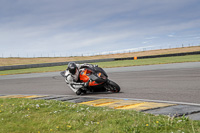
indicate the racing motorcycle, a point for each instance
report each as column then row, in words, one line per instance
column 98, row 80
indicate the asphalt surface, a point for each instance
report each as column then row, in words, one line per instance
column 178, row 82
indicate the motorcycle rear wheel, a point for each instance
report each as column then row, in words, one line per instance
column 112, row 86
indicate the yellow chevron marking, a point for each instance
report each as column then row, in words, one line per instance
column 111, row 103
column 123, row 103
column 126, row 104
column 36, row 96
column 11, row 96
column 146, row 106
column 103, row 104
column 22, row 96
column 100, row 102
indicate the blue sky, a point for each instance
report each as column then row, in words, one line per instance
column 74, row 27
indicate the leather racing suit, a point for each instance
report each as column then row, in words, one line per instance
column 72, row 80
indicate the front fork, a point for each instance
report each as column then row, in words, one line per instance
column 107, row 85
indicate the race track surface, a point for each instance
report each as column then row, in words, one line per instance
column 178, row 82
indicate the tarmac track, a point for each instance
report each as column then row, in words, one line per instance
column 178, row 82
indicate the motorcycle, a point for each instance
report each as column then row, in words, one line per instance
column 98, row 80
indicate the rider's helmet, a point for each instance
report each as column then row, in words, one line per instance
column 72, row 67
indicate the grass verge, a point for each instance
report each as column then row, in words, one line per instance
column 123, row 63
column 38, row 116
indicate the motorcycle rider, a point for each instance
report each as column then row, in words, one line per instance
column 72, row 78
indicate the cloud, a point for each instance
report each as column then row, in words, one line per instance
column 67, row 26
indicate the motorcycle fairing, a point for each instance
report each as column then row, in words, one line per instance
column 96, row 79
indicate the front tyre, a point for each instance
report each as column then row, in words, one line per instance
column 78, row 92
column 112, row 86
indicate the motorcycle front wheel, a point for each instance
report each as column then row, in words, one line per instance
column 112, row 86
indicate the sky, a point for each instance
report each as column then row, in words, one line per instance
column 39, row 28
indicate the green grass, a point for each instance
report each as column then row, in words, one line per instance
column 40, row 116
column 124, row 63
column 152, row 61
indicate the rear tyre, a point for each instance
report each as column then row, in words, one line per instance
column 113, row 87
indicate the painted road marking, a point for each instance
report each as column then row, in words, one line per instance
column 106, row 102
column 123, row 104
column 11, row 96
column 101, row 102
column 22, row 96
column 36, row 96
column 126, row 104
column 146, row 106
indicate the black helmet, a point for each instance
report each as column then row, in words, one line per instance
column 72, row 67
